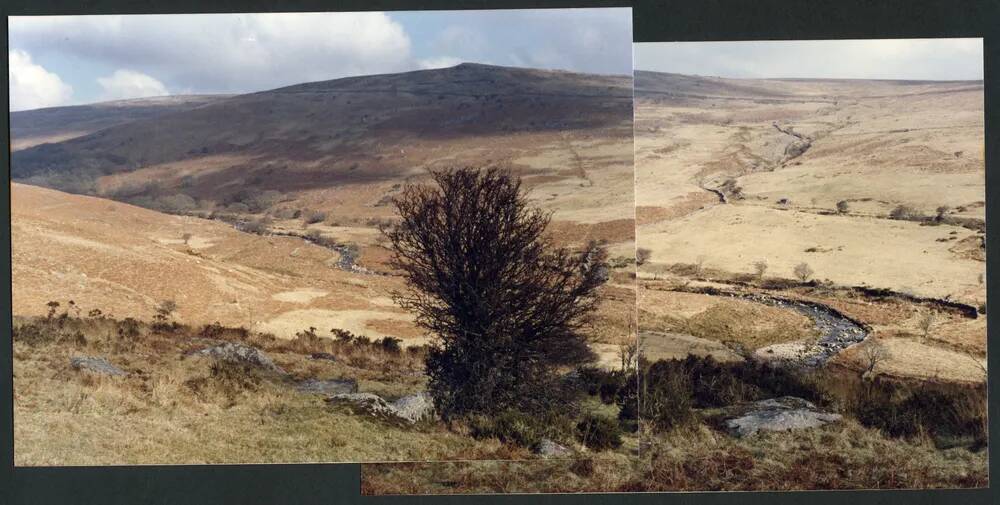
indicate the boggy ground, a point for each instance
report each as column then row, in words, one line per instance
column 175, row 407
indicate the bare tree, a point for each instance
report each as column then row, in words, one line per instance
column 699, row 264
column 760, row 268
column 628, row 350
column 642, row 255
column 872, row 354
column 803, row 271
column 164, row 313
column 926, row 323
column 506, row 305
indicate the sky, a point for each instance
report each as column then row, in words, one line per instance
column 916, row 59
column 68, row 60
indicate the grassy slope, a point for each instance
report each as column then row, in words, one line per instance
column 173, row 409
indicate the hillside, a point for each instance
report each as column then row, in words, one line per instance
column 343, row 146
column 876, row 187
column 56, row 124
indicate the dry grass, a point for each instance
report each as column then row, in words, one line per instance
column 751, row 325
column 177, row 409
column 840, row 456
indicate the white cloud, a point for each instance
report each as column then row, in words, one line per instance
column 237, row 53
column 226, row 52
column 935, row 59
column 582, row 40
column 33, row 87
column 441, row 62
column 125, row 84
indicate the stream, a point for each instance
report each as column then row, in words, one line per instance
column 837, row 331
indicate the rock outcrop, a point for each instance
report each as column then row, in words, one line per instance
column 549, row 449
column 328, row 387
column 407, row 410
column 779, row 414
column 241, row 354
column 96, row 365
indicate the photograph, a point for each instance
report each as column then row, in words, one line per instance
column 810, row 232
column 324, row 237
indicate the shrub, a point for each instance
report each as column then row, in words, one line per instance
column 164, row 313
column 944, row 412
column 344, row 336
column 803, row 271
column 390, row 344
column 843, row 207
column 34, row 334
column 315, row 216
column 599, row 433
column 175, row 203
column 671, row 388
column 621, row 262
column 906, row 213
column 666, row 396
column 760, row 268
column 128, row 328
column 537, row 296
column 642, row 255
column 509, row 426
column 257, row 226
column 286, row 213
column 627, row 400
column 582, row 467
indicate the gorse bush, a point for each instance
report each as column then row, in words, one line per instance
column 519, row 428
column 944, row 412
column 390, row 344
column 599, row 433
column 315, row 216
column 600, row 382
column 670, row 389
column 665, row 399
column 906, row 213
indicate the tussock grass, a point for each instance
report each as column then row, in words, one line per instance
column 175, row 407
column 698, row 458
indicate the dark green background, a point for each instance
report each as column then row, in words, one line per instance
column 652, row 21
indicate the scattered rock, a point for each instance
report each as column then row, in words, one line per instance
column 779, row 414
column 406, row 410
column 96, row 365
column 323, row 355
column 328, row 387
column 240, row 353
column 365, row 404
column 550, row 449
column 415, row 407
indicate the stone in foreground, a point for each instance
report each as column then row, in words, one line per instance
column 779, row 414
column 241, row 354
column 415, row 407
column 96, row 365
column 328, row 387
column 406, row 410
column 549, row 449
